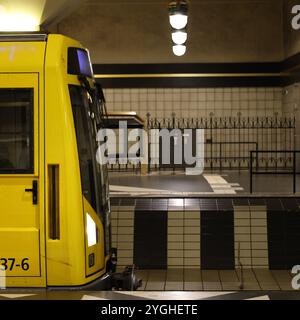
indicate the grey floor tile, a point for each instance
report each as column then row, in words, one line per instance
column 229, row 280
column 155, row 285
column 249, row 280
column 174, row 285
column 231, row 286
column 142, row 274
column 192, row 274
column 211, row 280
column 283, row 279
column 228, row 276
column 174, row 279
column 175, row 275
column 266, row 279
column 193, row 279
column 157, row 275
column 212, row 285
column 193, row 285
column 210, row 275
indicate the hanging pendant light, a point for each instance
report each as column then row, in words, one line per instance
column 179, row 50
column 178, row 14
column 179, row 37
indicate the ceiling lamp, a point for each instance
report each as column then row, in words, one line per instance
column 178, row 14
column 178, row 11
column 179, row 50
column 179, row 37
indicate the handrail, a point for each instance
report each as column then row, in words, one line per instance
column 292, row 172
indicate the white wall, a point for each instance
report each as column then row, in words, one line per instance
column 199, row 102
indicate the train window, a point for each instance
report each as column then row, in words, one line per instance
column 79, row 62
column 16, row 131
column 85, row 151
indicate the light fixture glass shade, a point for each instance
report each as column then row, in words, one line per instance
column 179, row 50
column 179, row 37
column 17, row 21
column 178, row 21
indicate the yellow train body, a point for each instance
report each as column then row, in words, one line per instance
column 44, row 241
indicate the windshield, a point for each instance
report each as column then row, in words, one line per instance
column 93, row 176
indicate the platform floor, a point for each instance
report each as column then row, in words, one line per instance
column 187, row 284
column 168, row 183
column 214, row 280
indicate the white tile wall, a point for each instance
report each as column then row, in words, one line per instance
column 122, row 222
column 251, row 236
column 291, row 107
column 197, row 102
column 183, row 239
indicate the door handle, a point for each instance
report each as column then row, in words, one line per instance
column 34, row 191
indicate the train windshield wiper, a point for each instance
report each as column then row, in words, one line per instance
column 98, row 105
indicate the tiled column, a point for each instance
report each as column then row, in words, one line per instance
column 259, row 237
column 250, row 231
column 175, row 239
column 242, row 236
column 114, row 224
column 191, row 239
column 122, row 233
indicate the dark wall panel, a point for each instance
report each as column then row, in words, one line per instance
column 217, row 240
column 283, row 239
column 150, row 239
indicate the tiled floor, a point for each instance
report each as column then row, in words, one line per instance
column 152, row 295
column 183, row 284
column 214, row 280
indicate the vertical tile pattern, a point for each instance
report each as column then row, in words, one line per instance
column 242, row 236
column 175, row 239
column 197, row 102
column 251, row 236
column 192, row 103
column 259, row 237
column 191, row 238
column 184, row 238
column 182, row 230
column 114, row 225
column 122, row 234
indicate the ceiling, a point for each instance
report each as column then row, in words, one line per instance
column 43, row 12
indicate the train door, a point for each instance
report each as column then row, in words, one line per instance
column 21, row 225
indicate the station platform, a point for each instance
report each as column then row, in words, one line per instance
column 177, row 183
column 154, row 295
column 180, row 284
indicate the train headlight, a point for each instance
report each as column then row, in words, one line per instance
column 91, row 230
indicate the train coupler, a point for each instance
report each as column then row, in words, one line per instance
column 126, row 280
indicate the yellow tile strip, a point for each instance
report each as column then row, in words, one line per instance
column 189, row 75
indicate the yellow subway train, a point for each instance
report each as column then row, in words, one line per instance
column 54, row 204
